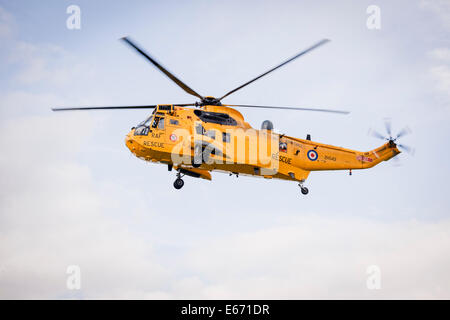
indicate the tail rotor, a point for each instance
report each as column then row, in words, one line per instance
column 393, row 139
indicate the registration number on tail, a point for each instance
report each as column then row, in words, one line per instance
column 364, row 159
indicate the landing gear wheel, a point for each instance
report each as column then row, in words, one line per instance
column 178, row 183
column 304, row 190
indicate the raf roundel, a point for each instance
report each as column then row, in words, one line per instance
column 312, row 155
column 173, row 137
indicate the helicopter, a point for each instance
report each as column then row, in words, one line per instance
column 195, row 139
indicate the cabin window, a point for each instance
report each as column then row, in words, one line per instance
column 199, row 129
column 225, row 137
column 158, row 123
column 211, row 134
column 174, row 122
column 161, row 123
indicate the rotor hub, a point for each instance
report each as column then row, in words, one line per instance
column 208, row 101
column 392, row 143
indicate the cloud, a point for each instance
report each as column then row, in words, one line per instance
column 46, row 63
column 17, row 103
column 6, row 23
column 317, row 257
column 440, row 71
column 441, row 74
column 439, row 7
column 53, row 214
column 442, row 54
column 37, row 63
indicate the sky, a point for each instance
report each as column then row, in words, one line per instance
column 72, row 194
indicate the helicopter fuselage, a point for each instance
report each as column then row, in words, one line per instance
column 175, row 136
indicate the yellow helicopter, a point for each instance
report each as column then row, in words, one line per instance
column 194, row 139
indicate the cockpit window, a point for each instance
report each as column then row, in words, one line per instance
column 141, row 131
column 143, row 128
column 146, row 122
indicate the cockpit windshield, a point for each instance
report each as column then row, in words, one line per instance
column 146, row 122
column 143, row 128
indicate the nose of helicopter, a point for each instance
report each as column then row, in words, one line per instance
column 129, row 141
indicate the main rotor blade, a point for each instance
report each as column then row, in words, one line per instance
column 119, row 107
column 286, row 108
column 318, row 44
column 387, row 124
column 403, row 132
column 376, row 134
column 104, row 108
column 162, row 69
column 408, row 149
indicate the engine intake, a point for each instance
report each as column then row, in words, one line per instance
column 267, row 125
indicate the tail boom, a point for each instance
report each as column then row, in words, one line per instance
column 326, row 157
